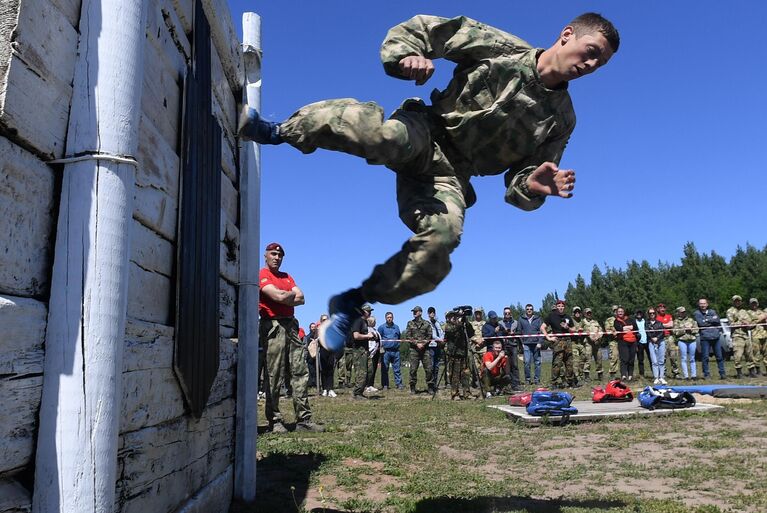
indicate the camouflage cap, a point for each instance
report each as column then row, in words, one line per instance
column 737, row 298
column 366, row 307
column 588, row 310
column 680, row 309
column 753, row 300
column 417, row 309
column 578, row 308
column 615, row 307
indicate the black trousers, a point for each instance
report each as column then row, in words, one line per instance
column 642, row 351
column 512, row 360
column 327, row 367
column 627, row 352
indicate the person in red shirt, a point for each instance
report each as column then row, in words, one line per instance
column 672, row 351
column 494, row 369
column 278, row 333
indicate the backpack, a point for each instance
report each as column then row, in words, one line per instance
column 615, row 391
column 665, row 398
column 555, row 404
column 523, row 398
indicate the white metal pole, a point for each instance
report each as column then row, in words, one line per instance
column 76, row 459
column 250, row 259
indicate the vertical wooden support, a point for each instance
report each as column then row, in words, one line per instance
column 250, row 259
column 76, row 457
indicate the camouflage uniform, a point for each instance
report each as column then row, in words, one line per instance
column 477, row 345
column 759, row 338
column 741, row 344
column 580, row 350
column 594, row 346
column 456, row 350
column 495, row 115
column 283, row 344
column 613, row 345
column 419, row 330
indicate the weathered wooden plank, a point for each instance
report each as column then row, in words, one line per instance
column 230, row 251
column 156, row 210
column 223, row 33
column 150, row 251
column 35, row 95
column 228, row 163
column 161, row 98
column 18, row 423
column 158, row 161
column 14, row 498
column 223, row 94
column 26, row 221
column 22, row 332
column 148, row 295
column 223, row 386
column 230, row 200
column 163, row 465
column 159, row 25
column 215, row 497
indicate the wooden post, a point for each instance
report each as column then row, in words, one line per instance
column 250, row 260
column 76, row 458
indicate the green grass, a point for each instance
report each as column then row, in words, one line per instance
column 404, row 454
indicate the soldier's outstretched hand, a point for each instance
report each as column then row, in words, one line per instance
column 416, row 67
column 549, row 180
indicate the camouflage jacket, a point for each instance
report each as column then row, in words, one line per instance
column 495, row 110
column 739, row 316
column 477, row 342
column 759, row 332
column 579, row 327
column 610, row 328
column 456, row 342
column 685, row 329
column 417, row 330
column 593, row 329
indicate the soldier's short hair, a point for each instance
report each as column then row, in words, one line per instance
column 590, row 22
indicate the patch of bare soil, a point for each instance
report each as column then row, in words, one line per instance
column 328, row 494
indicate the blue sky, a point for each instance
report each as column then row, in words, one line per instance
column 667, row 148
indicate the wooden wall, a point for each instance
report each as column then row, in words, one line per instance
column 166, row 458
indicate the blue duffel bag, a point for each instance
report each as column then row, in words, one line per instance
column 554, row 404
column 665, row 398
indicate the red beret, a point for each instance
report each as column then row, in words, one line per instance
column 560, row 302
column 275, row 246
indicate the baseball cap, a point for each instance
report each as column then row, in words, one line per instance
column 431, row 309
column 492, row 315
column 417, row 309
column 753, row 300
column 367, row 307
column 737, row 298
column 588, row 310
column 681, row 309
column 275, row 246
column 615, row 307
column 577, row 308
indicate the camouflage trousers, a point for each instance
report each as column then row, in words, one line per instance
column 562, row 364
column 460, row 376
column 593, row 352
column 741, row 348
column 432, row 183
column 359, row 357
column 672, row 356
column 422, row 357
column 475, row 359
column 759, row 350
column 341, row 370
column 285, row 359
column 581, row 358
column 614, row 357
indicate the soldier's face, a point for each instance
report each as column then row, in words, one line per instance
column 273, row 259
column 753, row 306
column 581, row 55
column 417, row 314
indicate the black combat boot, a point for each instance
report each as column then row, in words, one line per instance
column 752, row 373
column 412, row 389
column 739, row 374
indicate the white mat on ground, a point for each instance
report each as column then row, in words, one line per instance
column 593, row 411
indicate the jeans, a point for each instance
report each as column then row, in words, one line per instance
column 391, row 357
column 658, row 358
column 532, row 356
column 704, row 352
column 687, row 357
column 436, row 358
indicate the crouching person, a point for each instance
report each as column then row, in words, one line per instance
column 493, row 372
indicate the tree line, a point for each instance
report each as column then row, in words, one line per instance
column 640, row 284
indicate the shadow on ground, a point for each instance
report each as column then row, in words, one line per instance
column 282, row 482
column 499, row 505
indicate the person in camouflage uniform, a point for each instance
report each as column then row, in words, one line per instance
column 418, row 334
column 740, row 324
column 686, row 334
column 457, row 332
column 477, row 344
column 506, row 109
column 580, row 346
column 557, row 328
column 612, row 342
column 758, row 335
column 594, row 348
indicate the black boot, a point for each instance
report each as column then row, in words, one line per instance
column 739, row 374
column 752, row 373
column 412, row 389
